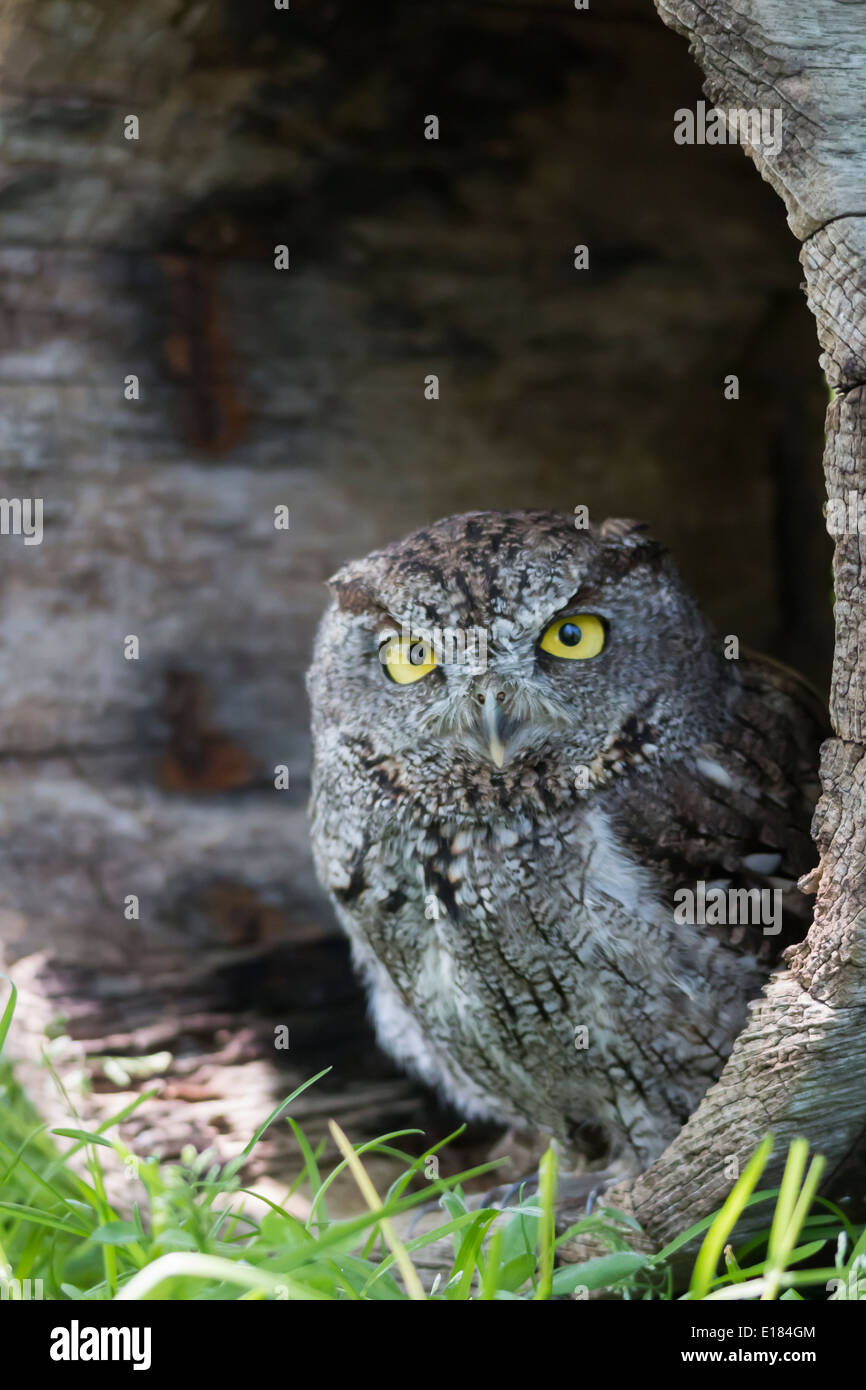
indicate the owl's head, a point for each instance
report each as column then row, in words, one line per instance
column 505, row 654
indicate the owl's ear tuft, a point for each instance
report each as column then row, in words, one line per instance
column 352, row 597
column 625, row 529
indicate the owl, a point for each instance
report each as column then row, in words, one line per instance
column 560, row 820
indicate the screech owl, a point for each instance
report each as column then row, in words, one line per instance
column 503, row 831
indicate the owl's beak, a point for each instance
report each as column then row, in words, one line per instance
column 493, row 721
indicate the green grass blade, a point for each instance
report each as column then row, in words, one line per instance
column 6, row 1016
column 716, row 1238
column 275, row 1114
column 547, row 1181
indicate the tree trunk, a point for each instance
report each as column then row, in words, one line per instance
column 798, row 1068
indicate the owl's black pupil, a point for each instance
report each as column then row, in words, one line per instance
column 570, row 634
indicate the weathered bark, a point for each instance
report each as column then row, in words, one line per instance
column 799, row 1066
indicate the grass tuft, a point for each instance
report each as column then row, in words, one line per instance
column 189, row 1230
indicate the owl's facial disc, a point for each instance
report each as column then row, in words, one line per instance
column 585, row 633
column 502, row 710
column 509, row 722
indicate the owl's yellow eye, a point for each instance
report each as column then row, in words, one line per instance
column 407, row 661
column 574, row 638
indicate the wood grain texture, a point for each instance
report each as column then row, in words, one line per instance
column 807, row 59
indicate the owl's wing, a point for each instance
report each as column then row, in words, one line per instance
column 765, row 675
column 736, row 814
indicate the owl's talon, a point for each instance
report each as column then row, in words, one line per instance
column 422, row 1211
column 583, row 1189
column 574, row 1192
column 527, row 1187
column 502, row 1196
column 599, row 1187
